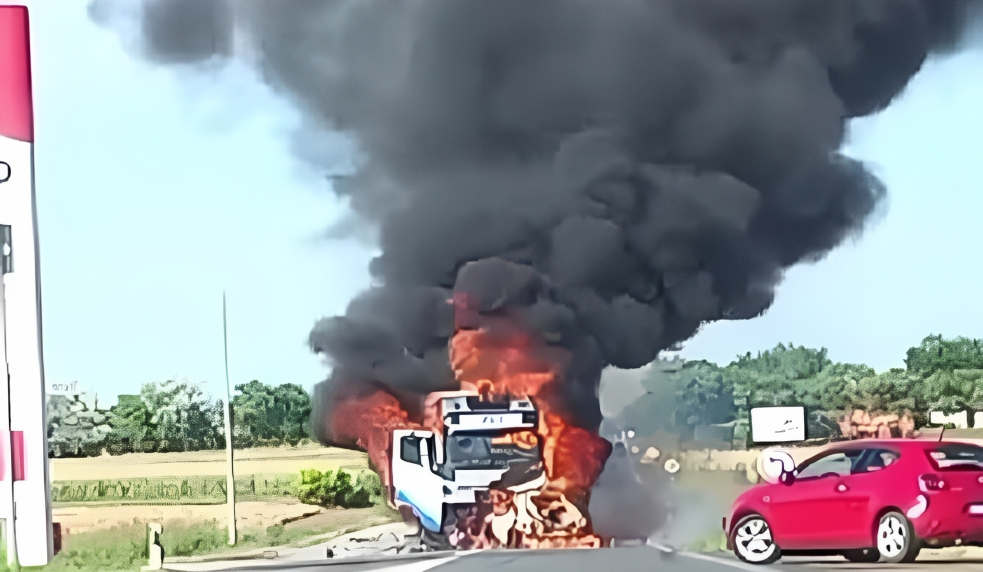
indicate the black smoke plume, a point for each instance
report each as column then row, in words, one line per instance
column 654, row 164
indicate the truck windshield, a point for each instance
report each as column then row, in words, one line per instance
column 957, row 457
column 490, row 449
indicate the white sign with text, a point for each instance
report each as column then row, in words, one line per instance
column 65, row 388
column 778, row 424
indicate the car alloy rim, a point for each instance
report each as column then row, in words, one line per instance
column 891, row 536
column 753, row 540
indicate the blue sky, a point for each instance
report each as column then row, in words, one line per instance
column 157, row 188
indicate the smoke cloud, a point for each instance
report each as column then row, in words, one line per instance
column 621, row 506
column 653, row 165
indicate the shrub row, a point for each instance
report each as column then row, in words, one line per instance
column 311, row 487
column 207, row 489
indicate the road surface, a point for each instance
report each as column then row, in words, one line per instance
column 635, row 559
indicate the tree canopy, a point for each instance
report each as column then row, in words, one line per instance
column 176, row 415
column 941, row 375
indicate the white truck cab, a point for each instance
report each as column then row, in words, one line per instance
column 478, row 445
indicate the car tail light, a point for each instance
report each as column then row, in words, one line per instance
column 932, row 483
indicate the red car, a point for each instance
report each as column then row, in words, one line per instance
column 870, row 500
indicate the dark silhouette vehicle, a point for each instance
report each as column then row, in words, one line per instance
column 870, row 500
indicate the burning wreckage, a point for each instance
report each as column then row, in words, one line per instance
column 509, row 453
column 482, row 464
column 476, row 471
column 500, row 460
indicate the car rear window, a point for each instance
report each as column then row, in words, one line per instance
column 957, row 457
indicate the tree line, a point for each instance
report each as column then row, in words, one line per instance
column 940, row 374
column 174, row 415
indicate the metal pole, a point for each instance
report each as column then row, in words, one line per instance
column 230, row 476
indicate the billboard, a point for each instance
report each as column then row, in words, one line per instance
column 778, row 424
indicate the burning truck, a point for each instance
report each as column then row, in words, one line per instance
column 505, row 454
column 478, row 450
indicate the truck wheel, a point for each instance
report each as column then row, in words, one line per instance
column 435, row 540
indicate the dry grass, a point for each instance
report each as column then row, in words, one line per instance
column 247, row 462
column 78, row 519
column 258, row 461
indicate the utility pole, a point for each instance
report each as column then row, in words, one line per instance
column 230, row 475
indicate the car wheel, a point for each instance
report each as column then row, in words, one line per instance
column 753, row 542
column 896, row 539
column 862, row 555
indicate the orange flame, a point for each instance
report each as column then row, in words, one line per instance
column 367, row 422
column 497, row 361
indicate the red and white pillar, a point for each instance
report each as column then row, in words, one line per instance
column 25, row 493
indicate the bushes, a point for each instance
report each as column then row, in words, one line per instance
column 370, row 482
column 336, row 490
column 124, row 547
column 191, row 538
column 118, row 548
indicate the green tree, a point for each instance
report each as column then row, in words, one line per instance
column 936, row 353
column 73, row 429
column 790, row 376
column 950, row 373
column 182, row 417
column 893, row 391
column 131, row 426
column 654, row 411
column 270, row 415
column 679, row 396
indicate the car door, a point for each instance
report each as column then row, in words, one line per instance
column 818, row 509
column 414, row 480
column 870, row 479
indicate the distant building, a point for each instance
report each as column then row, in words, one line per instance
column 960, row 420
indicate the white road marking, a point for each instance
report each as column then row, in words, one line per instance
column 726, row 562
column 421, row 566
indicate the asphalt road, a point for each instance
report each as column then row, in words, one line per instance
column 635, row 559
column 833, row 563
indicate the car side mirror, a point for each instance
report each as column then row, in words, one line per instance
column 776, row 466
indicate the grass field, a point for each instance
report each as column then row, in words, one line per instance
column 123, row 546
column 96, row 493
column 277, row 460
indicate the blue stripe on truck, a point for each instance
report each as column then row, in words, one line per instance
column 427, row 521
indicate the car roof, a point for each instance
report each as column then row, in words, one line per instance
column 895, row 444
